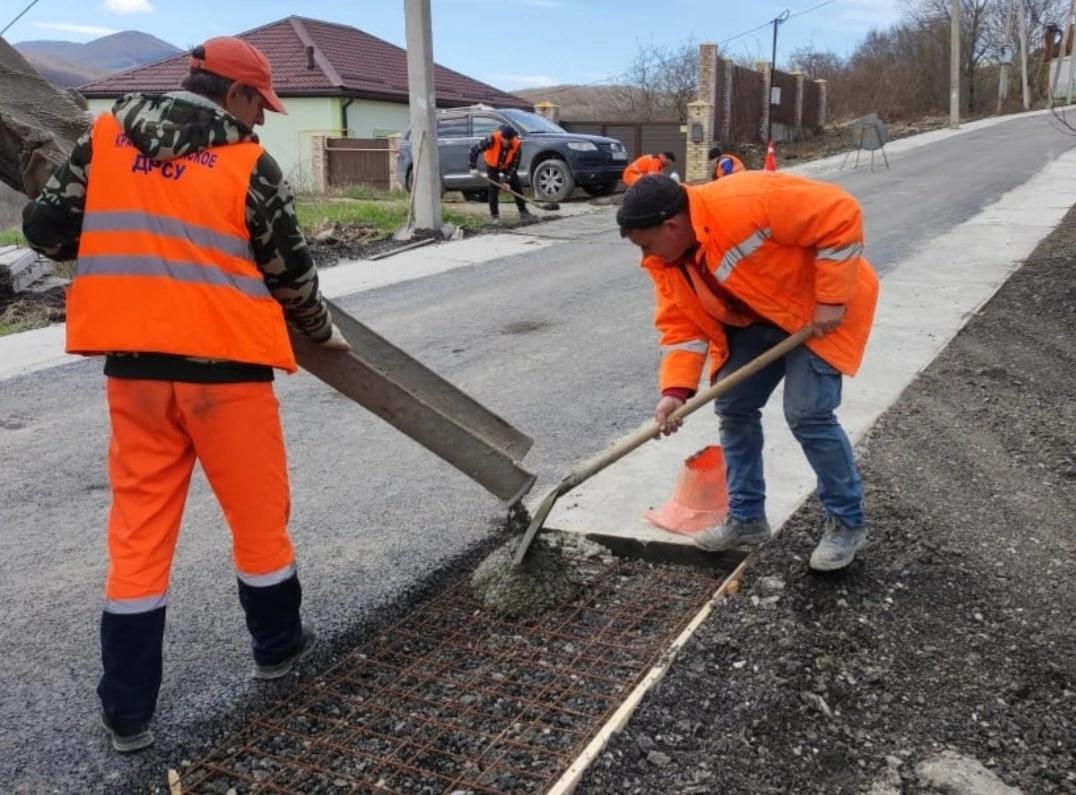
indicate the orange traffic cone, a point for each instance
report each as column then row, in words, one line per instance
column 701, row 498
column 771, row 158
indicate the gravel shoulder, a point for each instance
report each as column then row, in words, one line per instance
column 955, row 631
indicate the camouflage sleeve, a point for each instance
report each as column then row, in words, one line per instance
column 52, row 222
column 281, row 253
column 480, row 146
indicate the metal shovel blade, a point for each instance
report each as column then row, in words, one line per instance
column 416, row 401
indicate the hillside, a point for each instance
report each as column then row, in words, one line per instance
column 593, row 103
column 68, row 63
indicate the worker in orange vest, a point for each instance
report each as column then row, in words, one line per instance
column 647, row 164
column 189, row 261
column 502, row 149
column 721, row 165
column 740, row 264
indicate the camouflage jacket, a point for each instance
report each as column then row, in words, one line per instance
column 172, row 125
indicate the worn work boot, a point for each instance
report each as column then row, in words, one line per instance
column 128, row 743
column 838, row 546
column 285, row 666
column 731, row 533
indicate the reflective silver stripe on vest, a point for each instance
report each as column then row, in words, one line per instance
column 134, row 221
column 840, row 254
column 267, row 579
column 744, row 248
column 695, row 346
column 145, row 265
column 142, row 604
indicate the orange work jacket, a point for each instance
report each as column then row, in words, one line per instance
column 776, row 244
column 640, row 167
column 165, row 263
column 727, row 164
column 502, row 153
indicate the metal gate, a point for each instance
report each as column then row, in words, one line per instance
column 365, row 161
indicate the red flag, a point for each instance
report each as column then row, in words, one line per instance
column 771, row 158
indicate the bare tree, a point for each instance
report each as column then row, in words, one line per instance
column 660, row 82
column 976, row 28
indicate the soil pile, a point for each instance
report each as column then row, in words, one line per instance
column 956, row 631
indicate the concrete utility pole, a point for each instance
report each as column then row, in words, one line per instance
column 1069, row 21
column 773, row 66
column 1023, row 57
column 1065, row 42
column 954, row 65
column 1005, row 57
column 426, row 176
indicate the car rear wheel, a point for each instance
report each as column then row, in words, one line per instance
column 599, row 190
column 552, row 180
column 476, row 195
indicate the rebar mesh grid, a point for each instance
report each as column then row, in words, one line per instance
column 455, row 700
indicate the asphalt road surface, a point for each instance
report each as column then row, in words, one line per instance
column 558, row 341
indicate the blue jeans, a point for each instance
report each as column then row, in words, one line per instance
column 812, row 393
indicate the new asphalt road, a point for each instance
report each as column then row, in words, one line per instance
column 558, row 340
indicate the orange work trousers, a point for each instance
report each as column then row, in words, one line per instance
column 159, row 429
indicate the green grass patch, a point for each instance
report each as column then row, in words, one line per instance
column 383, row 216
column 12, row 237
column 12, row 328
column 370, row 193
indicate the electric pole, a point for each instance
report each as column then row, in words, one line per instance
column 1005, row 57
column 1066, row 41
column 1025, row 97
column 1069, row 21
column 954, row 65
column 773, row 65
column 426, row 168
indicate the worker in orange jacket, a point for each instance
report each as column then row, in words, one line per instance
column 721, row 165
column 189, row 259
column 738, row 265
column 502, row 150
column 647, row 164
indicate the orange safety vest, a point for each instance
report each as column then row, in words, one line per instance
column 500, row 149
column 727, row 164
column 640, row 167
column 778, row 244
column 165, row 263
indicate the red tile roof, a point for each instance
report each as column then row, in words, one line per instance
column 347, row 62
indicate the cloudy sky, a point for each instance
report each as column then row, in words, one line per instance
column 509, row 43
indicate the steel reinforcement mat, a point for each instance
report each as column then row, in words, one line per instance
column 453, row 700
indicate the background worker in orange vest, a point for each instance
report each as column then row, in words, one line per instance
column 647, row 164
column 189, row 260
column 739, row 264
column 722, row 165
column 502, row 149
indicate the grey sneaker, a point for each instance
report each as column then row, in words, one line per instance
column 285, row 666
column 731, row 533
column 128, row 743
column 838, row 546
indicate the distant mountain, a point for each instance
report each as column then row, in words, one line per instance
column 68, row 63
column 599, row 103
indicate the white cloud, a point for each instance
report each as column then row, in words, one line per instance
column 85, row 30
column 523, row 81
column 129, row 6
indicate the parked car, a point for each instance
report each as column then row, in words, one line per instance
column 554, row 161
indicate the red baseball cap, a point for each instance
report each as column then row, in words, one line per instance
column 233, row 58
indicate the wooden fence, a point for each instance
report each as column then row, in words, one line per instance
column 352, row 161
column 638, row 137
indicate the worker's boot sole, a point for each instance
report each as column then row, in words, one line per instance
column 267, row 673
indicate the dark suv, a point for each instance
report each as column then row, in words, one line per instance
column 554, row 161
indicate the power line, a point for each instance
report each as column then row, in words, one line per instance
column 812, row 8
column 17, row 18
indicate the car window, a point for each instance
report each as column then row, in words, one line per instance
column 452, row 128
column 481, row 126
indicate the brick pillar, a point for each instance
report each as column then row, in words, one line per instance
column 700, row 135
column 797, row 113
column 821, row 103
column 319, row 163
column 764, row 68
column 708, row 87
column 724, row 130
column 547, row 110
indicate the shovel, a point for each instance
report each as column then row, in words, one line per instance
column 539, row 205
column 416, row 401
column 650, row 430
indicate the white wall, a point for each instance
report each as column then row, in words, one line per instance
column 1066, row 65
column 369, row 119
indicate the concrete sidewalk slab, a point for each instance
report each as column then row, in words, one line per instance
column 924, row 302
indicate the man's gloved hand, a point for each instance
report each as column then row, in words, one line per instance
column 474, row 173
column 675, row 177
column 336, row 341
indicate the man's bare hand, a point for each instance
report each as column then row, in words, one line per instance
column 827, row 317
column 666, row 406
